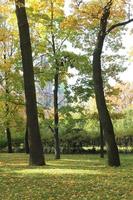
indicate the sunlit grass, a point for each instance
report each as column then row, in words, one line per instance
column 76, row 177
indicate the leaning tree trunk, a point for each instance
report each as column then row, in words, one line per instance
column 36, row 148
column 112, row 150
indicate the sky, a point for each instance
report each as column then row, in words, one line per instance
column 128, row 44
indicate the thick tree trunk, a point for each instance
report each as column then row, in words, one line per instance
column 36, row 148
column 26, row 140
column 101, row 141
column 9, row 140
column 109, row 136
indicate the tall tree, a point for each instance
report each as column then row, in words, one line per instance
column 36, row 148
column 112, row 150
column 56, row 86
column 50, row 17
column 96, row 19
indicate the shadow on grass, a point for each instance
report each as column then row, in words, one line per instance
column 74, row 177
column 69, row 164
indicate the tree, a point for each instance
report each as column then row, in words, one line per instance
column 36, row 149
column 112, row 150
column 8, row 55
column 56, row 85
column 52, row 34
column 95, row 21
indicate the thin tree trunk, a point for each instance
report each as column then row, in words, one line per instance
column 56, row 85
column 56, row 119
column 8, row 132
column 109, row 136
column 7, row 92
column 26, row 140
column 9, row 140
column 101, row 141
column 36, row 148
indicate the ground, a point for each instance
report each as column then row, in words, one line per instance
column 74, row 177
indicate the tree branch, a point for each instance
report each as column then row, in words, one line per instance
column 52, row 130
column 118, row 25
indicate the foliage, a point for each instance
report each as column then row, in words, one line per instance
column 11, row 84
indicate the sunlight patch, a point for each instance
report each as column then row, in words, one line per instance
column 58, row 171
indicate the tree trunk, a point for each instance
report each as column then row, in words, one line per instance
column 26, row 140
column 56, row 117
column 9, row 140
column 8, row 132
column 36, row 148
column 101, row 142
column 56, row 85
column 112, row 150
column 7, row 92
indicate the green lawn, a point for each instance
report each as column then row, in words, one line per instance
column 76, row 177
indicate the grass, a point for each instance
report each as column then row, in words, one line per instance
column 74, row 177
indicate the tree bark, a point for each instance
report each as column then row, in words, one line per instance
column 36, row 148
column 109, row 136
